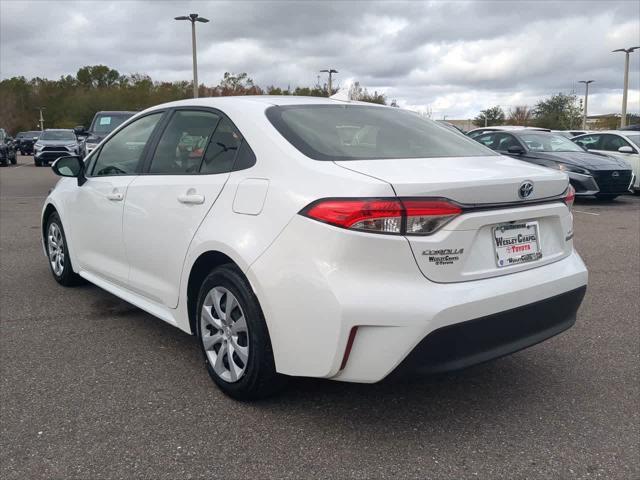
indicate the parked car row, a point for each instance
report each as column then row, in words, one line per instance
column 7, row 149
column 603, row 164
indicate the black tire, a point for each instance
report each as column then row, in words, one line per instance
column 260, row 378
column 14, row 160
column 606, row 197
column 67, row 277
column 37, row 162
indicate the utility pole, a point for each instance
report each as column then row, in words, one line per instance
column 41, row 121
column 627, row 51
column 193, row 18
column 586, row 101
column 330, row 71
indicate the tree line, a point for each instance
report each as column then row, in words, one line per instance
column 74, row 99
column 558, row 112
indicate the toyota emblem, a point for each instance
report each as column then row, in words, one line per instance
column 526, row 189
column 615, row 174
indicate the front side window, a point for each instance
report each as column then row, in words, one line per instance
column 122, row 153
column 184, row 142
column 547, row 142
column 354, row 132
column 611, row 143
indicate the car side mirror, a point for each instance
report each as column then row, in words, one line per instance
column 626, row 149
column 79, row 130
column 70, row 166
column 516, row 149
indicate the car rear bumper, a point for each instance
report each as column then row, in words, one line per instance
column 316, row 284
column 482, row 339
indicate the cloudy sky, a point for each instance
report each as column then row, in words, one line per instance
column 451, row 57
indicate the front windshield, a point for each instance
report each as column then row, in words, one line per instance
column 549, row 142
column 635, row 138
column 353, row 132
column 107, row 123
column 58, row 135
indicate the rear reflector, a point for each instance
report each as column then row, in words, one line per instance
column 347, row 350
column 399, row 216
column 570, row 196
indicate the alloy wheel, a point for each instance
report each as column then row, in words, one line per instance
column 55, row 244
column 224, row 334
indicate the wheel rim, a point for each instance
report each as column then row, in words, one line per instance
column 224, row 333
column 56, row 249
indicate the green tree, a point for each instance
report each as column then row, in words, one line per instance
column 558, row 112
column 490, row 117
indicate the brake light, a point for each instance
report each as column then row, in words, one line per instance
column 399, row 216
column 570, row 197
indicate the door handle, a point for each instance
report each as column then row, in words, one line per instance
column 115, row 196
column 191, row 197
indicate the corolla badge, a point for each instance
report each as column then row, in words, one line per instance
column 615, row 174
column 525, row 189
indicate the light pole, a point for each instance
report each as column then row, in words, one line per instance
column 41, row 121
column 586, row 100
column 193, row 18
column 330, row 71
column 627, row 51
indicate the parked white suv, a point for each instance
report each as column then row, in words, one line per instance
column 320, row 238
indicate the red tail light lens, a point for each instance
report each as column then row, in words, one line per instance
column 570, row 197
column 379, row 215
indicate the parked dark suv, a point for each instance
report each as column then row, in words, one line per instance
column 25, row 141
column 54, row 143
column 7, row 149
column 103, row 124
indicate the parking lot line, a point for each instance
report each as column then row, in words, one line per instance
column 587, row 213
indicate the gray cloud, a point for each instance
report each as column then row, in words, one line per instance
column 452, row 57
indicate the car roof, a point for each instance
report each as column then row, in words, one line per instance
column 220, row 102
column 113, row 112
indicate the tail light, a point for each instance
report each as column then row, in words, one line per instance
column 399, row 216
column 570, row 196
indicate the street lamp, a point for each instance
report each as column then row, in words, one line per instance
column 41, row 121
column 193, row 18
column 586, row 100
column 627, row 51
column 330, row 71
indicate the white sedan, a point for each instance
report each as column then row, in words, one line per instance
column 624, row 144
column 321, row 238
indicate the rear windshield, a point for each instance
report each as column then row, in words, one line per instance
column 355, row 132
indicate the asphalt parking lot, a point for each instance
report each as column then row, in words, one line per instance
column 94, row 388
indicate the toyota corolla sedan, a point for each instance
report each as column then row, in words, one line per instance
column 590, row 173
column 320, row 238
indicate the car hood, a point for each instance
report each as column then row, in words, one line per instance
column 588, row 160
column 55, row 143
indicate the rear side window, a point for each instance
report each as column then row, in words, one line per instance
column 223, row 149
column 590, row 142
column 353, row 132
column 183, row 142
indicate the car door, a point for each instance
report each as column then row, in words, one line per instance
column 165, row 206
column 94, row 211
